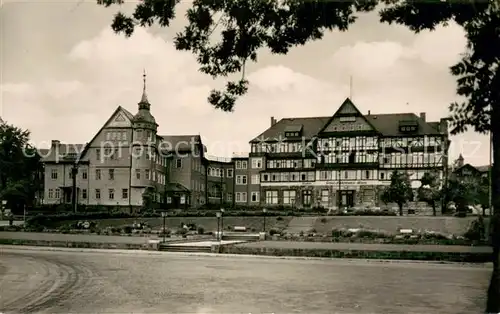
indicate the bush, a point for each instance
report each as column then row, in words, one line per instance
column 476, row 230
column 127, row 229
column 273, row 232
column 201, row 230
column 366, row 212
column 323, row 220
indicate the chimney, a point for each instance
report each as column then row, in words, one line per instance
column 368, row 112
column 55, row 143
column 422, row 116
column 273, row 121
column 443, row 126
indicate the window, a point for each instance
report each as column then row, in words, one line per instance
column 241, row 197
column 229, row 173
column 51, row 193
column 58, row 193
column 255, row 197
column 84, row 194
column 84, row 175
column 70, row 176
column 271, row 197
column 324, row 196
column 111, row 174
column 124, row 193
column 256, row 163
column 111, row 194
column 382, row 176
column 98, row 193
column 229, row 197
column 178, row 163
column 241, row 180
column 243, row 164
column 98, row 174
column 148, row 174
column 255, row 179
column 367, row 174
column 98, row 154
column 53, row 174
column 138, row 173
column 289, row 197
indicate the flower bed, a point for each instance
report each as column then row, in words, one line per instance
column 377, row 237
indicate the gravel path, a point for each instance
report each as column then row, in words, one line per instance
column 140, row 282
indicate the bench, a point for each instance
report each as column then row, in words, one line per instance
column 240, row 228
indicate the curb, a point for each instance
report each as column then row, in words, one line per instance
column 232, row 256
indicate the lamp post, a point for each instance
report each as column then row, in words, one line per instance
column 164, row 216
column 264, row 210
column 218, row 214
column 222, row 224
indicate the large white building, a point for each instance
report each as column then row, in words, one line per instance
column 115, row 168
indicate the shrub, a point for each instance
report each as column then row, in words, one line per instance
column 127, row 229
column 273, row 232
column 476, row 230
column 323, row 220
column 116, row 230
column 165, row 232
column 201, row 230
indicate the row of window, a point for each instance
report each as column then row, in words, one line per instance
column 281, row 147
column 336, row 143
column 116, row 135
column 401, row 159
column 56, row 193
column 241, row 197
column 218, row 172
column 351, row 157
column 342, row 143
column 148, row 175
column 288, row 176
column 289, row 163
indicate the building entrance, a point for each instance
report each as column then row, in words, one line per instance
column 347, row 198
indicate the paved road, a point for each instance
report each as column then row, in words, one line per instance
column 152, row 282
column 371, row 247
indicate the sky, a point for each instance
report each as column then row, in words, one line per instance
column 63, row 72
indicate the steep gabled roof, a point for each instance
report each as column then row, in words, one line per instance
column 347, row 108
column 127, row 113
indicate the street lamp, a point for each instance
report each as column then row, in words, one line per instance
column 164, row 216
column 264, row 210
column 222, row 223
column 218, row 214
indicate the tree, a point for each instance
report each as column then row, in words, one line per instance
column 399, row 191
column 20, row 167
column 467, row 191
column 248, row 25
column 430, row 190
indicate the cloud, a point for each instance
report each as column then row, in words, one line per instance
column 106, row 71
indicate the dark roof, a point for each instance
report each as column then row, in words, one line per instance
column 310, row 128
column 63, row 153
column 483, row 168
column 386, row 124
column 181, row 142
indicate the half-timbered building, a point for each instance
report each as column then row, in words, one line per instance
column 345, row 160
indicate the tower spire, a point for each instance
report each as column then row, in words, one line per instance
column 144, row 98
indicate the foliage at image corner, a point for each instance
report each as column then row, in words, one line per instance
column 20, row 168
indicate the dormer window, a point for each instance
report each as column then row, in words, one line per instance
column 293, row 131
column 408, row 126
